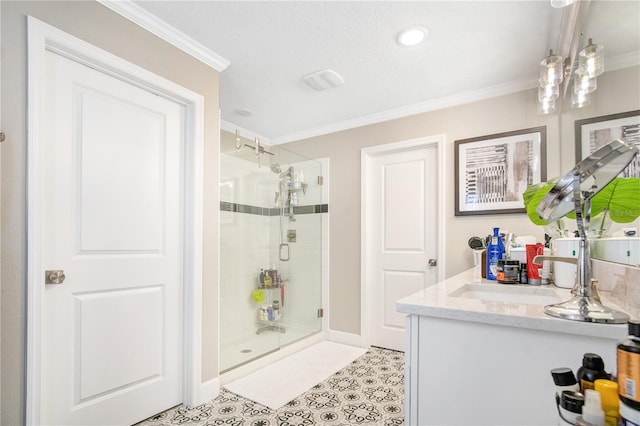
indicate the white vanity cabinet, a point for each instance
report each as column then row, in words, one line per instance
column 471, row 361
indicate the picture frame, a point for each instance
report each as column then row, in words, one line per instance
column 492, row 172
column 592, row 133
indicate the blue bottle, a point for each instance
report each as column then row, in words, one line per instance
column 495, row 252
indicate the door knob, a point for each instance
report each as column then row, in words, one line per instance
column 54, row 277
column 433, row 262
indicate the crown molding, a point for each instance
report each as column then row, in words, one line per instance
column 627, row 60
column 611, row 64
column 143, row 18
column 419, row 108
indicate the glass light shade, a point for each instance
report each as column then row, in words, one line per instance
column 546, row 107
column 591, row 60
column 582, row 83
column 561, row 3
column 548, row 93
column 551, row 70
column 579, row 100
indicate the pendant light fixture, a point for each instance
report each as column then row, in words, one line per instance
column 591, row 60
column 590, row 64
column 579, row 99
column 549, row 93
column 582, row 83
column 546, row 106
column 551, row 70
column 551, row 75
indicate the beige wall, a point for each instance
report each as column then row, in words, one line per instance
column 96, row 24
column 618, row 92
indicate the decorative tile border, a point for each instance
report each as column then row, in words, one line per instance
column 272, row 211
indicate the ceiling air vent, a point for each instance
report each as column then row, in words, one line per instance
column 323, row 80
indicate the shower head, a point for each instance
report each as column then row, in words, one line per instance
column 275, row 168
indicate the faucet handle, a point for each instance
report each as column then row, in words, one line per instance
column 540, row 258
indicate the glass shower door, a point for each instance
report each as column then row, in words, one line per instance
column 270, row 252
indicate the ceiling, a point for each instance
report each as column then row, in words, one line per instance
column 474, row 50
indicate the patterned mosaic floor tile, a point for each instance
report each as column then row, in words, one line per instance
column 369, row 391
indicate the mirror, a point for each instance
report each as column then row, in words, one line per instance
column 592, row 174
column 614, row 25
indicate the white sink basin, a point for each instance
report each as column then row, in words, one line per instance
column 522, row 294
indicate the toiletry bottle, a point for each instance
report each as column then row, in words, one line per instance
column 608, row 390
column 570, row 407
column 523, row 274
column 268, row 281
column 628, row 354
column 628, row 415
column 261, row 278
column 533, row 270
column 592, row 413
column 591, row 370
column 484, row 263
column 564, row 380
column 495, row 251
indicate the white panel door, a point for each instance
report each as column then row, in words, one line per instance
column 112, row 331
column 404, row 237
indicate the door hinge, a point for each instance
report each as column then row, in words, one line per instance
column 320, row 313
column 320, row 180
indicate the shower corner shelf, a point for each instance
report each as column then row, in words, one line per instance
column 273, row 297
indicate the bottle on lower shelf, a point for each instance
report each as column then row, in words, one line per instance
column 268, row 313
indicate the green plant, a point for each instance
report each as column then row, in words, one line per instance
column 620, row 200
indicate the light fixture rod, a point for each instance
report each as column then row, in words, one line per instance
column 573, row 19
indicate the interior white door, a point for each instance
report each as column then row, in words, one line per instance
column 112, row 330
column 404, row 237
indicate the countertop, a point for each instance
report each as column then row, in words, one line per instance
column 435, row 301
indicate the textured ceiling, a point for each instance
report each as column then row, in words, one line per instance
column 474, row 49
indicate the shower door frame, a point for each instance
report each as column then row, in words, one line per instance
column 232, row 372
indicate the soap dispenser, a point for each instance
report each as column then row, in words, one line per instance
column 495, row 252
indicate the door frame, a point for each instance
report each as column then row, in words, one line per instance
column 43, row 37
column 367, row 157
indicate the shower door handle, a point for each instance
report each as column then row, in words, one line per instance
column 284, row 252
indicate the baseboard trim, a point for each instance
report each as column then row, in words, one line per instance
column 345, row 338
column 209, row 390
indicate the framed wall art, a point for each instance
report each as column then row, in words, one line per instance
column 492, row 172
column 592, row 133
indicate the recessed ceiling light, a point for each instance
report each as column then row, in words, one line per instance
column 412, row 36
column 243, row 112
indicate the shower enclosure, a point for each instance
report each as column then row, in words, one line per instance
column 270, row 249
